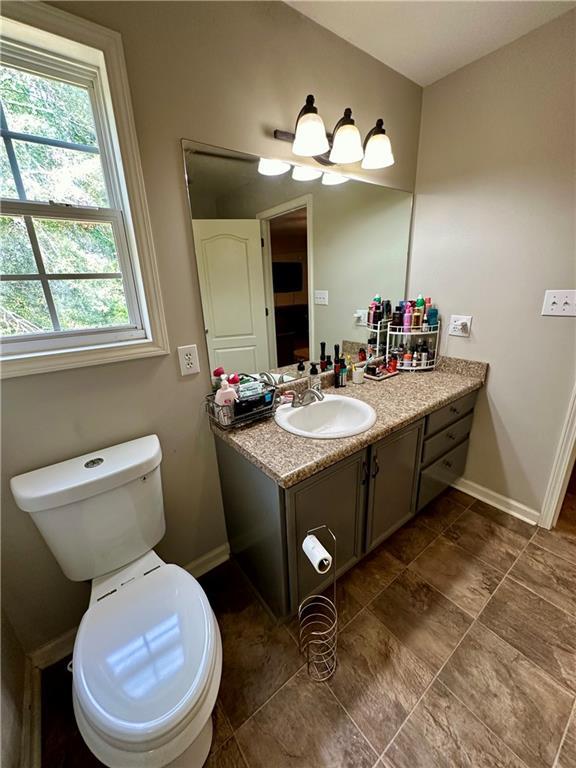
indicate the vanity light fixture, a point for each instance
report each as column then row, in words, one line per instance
column 347, row 142
column 305, row 173
column 377, row 148
column 332, row 179
column 310, row 138
column 269, row 167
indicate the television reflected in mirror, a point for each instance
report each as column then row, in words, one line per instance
column 284, row 264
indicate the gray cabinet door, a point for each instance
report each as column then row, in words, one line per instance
column 334, row 497
column 394, row 464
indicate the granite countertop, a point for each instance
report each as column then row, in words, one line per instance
column 398, row 401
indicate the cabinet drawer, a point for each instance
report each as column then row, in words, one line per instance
column 441, row 474
column 445, row 440
column 441, row 418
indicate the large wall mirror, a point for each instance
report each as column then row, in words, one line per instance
column 285, row 264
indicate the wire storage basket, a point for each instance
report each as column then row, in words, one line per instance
column 243, row 411
column 318, row 627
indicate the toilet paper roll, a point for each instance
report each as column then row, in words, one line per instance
column 319, row 557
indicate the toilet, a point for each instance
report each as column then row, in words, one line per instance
column 147, row 657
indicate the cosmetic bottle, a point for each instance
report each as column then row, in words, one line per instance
column 398, row 317
column 343, row 372
column 408, row 318
column 432, row 316
column 407, row 360
column 336, row 373
column 424, row 355
column 314, row 376
column 322, row 355
column 387, row 309
column 328, row 362
column 349, row 367
column 336, row 353
column 361, row 355
column 420, row 303
column 416, row 320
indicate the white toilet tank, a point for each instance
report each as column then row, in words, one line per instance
column 100, row 511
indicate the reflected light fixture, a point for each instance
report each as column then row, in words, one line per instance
column 305, row 173
column 332, row 179
column 272, row 167
column 377, row 148
column 310, row 138
column 347, row 142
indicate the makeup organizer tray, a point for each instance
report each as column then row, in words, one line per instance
column 397, row 335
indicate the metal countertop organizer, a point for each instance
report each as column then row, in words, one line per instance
column 243, row 411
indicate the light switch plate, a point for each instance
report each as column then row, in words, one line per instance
column 560, row 303
column 188, row 357
column 460, row 325
column 321, row 297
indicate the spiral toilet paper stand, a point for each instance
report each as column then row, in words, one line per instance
column 318, row 617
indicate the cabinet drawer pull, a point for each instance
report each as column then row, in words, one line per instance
column 447, row 463
column 365, row 472
column 455, row 410
column 450, row 436
column 376, row 467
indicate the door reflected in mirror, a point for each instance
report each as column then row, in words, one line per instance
column 285, row 264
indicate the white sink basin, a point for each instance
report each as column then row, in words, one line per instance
column 335, row 416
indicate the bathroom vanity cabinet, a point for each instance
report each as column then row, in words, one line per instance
column 363, row 498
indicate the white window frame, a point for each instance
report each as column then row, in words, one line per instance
column 46, row 40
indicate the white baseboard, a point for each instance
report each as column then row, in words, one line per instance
column 55, row 650
column 504, row 503
column 210, row 560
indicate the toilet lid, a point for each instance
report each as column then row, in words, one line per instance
column 143, row 655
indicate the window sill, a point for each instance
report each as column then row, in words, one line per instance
column 45, row 362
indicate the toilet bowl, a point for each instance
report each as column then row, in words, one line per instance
column 147, row 657
column 147, row 662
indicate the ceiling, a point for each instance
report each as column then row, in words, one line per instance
column 427, row 39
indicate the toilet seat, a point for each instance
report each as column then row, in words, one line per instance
column 145, row 658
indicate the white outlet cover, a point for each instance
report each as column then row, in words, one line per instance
column 321, row 297
column 188, row 357
column 460, row 325
column 559, row 303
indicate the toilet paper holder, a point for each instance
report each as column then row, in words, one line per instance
column 318, row 615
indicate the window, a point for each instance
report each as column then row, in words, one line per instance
column 71, row 280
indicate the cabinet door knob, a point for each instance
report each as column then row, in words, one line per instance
column 376, row 467
column 447, row 463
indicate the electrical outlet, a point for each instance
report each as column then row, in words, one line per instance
column 561, row 303
column 460, row 325
column 188, row 357
column 321, row 297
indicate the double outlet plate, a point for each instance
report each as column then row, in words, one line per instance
column 559, row 303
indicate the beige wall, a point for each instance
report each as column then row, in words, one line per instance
column 225, row 74
column 493, row 228
column 12, row 695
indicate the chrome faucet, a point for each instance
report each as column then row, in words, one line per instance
column 306, row 397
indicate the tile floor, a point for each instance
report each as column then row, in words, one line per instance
column 457, row 649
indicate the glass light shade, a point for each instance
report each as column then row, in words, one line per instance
column 347, row 145
column 305, row 173
column 378, row 152
column 272, row 167
column 332, row 179
column 310, row 139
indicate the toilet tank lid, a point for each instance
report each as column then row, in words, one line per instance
column 85, row 476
